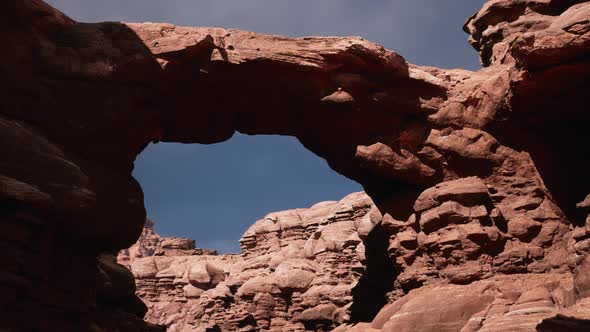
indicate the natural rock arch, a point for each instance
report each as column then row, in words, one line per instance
column 85, row 99
column 196, row 85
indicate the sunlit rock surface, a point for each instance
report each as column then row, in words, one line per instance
column 298, row 270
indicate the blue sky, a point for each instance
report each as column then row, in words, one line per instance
column 213, row 193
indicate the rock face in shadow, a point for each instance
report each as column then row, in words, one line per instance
column 477, row 175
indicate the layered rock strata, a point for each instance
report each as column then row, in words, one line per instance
column 151, row 243
column 310, row 267
column 145, row 246
column 299, row 270
column 81, row 101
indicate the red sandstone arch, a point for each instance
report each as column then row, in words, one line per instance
column 119, row 86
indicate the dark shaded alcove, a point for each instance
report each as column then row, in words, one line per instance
column 552, row 122
column 561, row 323
column 370, row 294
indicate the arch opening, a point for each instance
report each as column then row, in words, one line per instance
column 264, row 174
column 214, row 193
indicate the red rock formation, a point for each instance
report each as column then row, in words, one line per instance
column 299, row 270
column 151, row 243
column 145, row 246
column 83, row 100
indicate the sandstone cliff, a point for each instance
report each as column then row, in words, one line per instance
column 480, row 177
column 145, row 246
column 314, row 269
column 299, row 270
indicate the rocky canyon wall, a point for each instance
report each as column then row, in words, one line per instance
column 299, row 270
column 480, row 178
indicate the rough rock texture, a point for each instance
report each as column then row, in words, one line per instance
column 548, row 302
column 81, row 101
column 145, row 246
column 151, row 243
column 464, row 230
column 501, row 303
column 299, row 270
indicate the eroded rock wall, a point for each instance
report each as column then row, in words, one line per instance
column 145, row 246
column 309, row 269
column 298, row 271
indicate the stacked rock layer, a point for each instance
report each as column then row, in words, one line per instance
column 298, row 271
